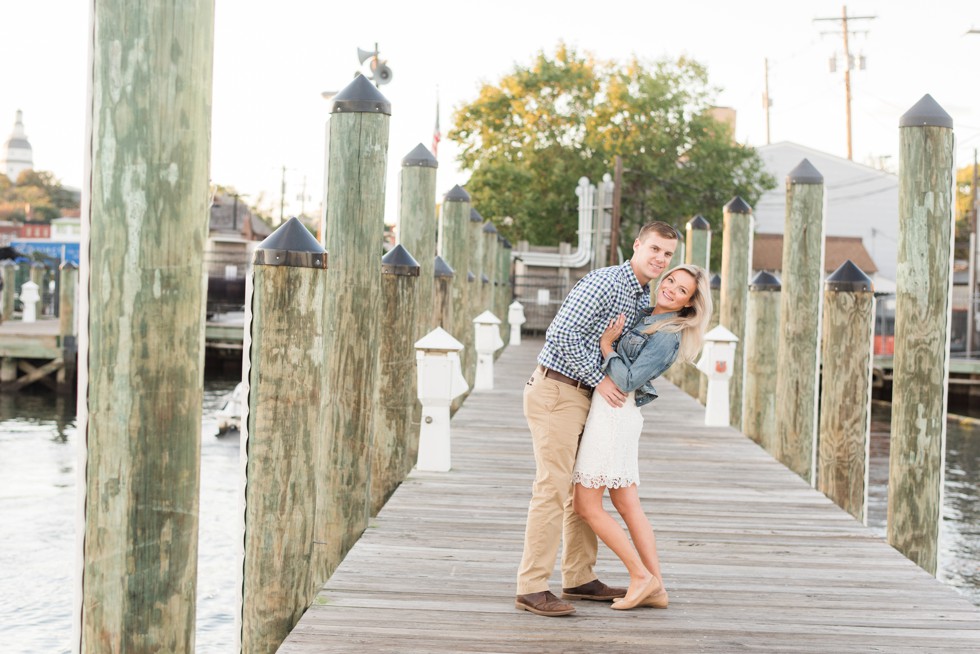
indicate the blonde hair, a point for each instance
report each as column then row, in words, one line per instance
column 691, row 321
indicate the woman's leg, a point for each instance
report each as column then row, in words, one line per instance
column 627, row 503
column 588, row 504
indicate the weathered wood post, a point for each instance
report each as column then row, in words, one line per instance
column 845, row 389
column 141, row 324
column 502, row 285
column 736, row 266
column 353, row 232
column 418, row 227
column 453, row 249
column 489, row 296
column 442, row 301
column 922, row 309
column 286, row 370
column 38, row 274
column 798, row 358
column 698, row 253
column 474, row 293
column 761, row 345
column 712, row 323
column 67, row 326
column 9, row 271
column 397, row 378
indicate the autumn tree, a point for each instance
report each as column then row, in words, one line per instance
column 964, row 210
column 527, row 139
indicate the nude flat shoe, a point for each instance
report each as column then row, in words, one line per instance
column 651, row 589
column 657, row 600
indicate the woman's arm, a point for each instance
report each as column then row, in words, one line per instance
column 658, row 353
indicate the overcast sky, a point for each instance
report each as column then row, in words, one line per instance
column 272, row 60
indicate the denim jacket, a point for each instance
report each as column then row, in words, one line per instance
column 640, row 358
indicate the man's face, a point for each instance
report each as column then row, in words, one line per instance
column 651, row 256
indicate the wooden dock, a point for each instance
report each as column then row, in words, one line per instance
column 754, row 559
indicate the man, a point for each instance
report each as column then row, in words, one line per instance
column 556, row 404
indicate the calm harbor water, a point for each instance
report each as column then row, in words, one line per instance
column 37, row 529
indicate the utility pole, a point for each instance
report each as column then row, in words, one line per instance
column 766, row 102
column 282, row 197
column 847, row 69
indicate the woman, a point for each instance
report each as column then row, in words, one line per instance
column 607, row 455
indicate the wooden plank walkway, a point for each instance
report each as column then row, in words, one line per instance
column 754, row 559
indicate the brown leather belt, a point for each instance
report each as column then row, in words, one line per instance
column 557, row 376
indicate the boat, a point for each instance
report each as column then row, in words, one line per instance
column 230, row 415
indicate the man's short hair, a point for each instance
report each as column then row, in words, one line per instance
column 660, row 228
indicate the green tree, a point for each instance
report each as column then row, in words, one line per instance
column 963, row 210
column 527, row 139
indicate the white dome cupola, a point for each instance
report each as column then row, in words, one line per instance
column 16, row 156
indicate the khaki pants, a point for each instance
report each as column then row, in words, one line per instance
column 556, row 414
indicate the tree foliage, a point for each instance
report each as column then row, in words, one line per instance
column 37, row 191
column 527, row 139
column 963, row 210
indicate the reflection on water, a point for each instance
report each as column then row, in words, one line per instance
column 959, row 537
column 37, row 529
column 37, row 505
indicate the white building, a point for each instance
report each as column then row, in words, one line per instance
column 858, row 201
column 16, row 156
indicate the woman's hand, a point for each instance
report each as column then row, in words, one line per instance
column 613, row 331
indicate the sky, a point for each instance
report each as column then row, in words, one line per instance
column 272, row 61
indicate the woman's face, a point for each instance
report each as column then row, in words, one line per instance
column 675, row 291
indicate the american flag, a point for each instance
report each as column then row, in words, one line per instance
column 436, row 134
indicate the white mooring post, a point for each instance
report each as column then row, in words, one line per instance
column 29, row 297
column 440, row 381
column 716, row 362
column 516, row 318
column 488, row 341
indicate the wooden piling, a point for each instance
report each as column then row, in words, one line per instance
column 761, row 345
column 845, row 389
column 474, row 294
column 67, row 329
column 736, row 266
column 442, row 300
column 505, row 294
column 798, row 363
column 417, row 227
column 453, row 250
column 715, row 285
column 922, row 309
column 141, row 324
column 9, row 271
column 353, row 232
column 397, row 376
column 488, row 300
column 697, row 252
column 286, row 371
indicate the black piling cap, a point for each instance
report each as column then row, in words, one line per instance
column 849, row 279
column 698, row 222
column 442, row 269
column 507, row 244
column 926, row 113
column 765, row 281
column 360, row 96
column 738, row 205
column 470, row 277
column 457, row 194
column 715, row 282
column 475, row 216
column 484, row 279
column 398, row 261
column 488, row 228
column 804, row 173
column 68, row 265
column 420, row 156
column 290, row 245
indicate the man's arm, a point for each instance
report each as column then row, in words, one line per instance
column 583, row 311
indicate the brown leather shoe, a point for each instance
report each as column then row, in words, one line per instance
column 594, row 590
column 544, row 603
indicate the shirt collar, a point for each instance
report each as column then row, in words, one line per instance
column 633, row 281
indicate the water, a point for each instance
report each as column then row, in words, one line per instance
column 37, row 505
column 37, row 530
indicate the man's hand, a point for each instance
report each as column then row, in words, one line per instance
column 607, row 389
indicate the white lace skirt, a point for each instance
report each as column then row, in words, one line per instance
column 607, row 454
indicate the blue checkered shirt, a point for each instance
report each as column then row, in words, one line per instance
column 571, row 344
